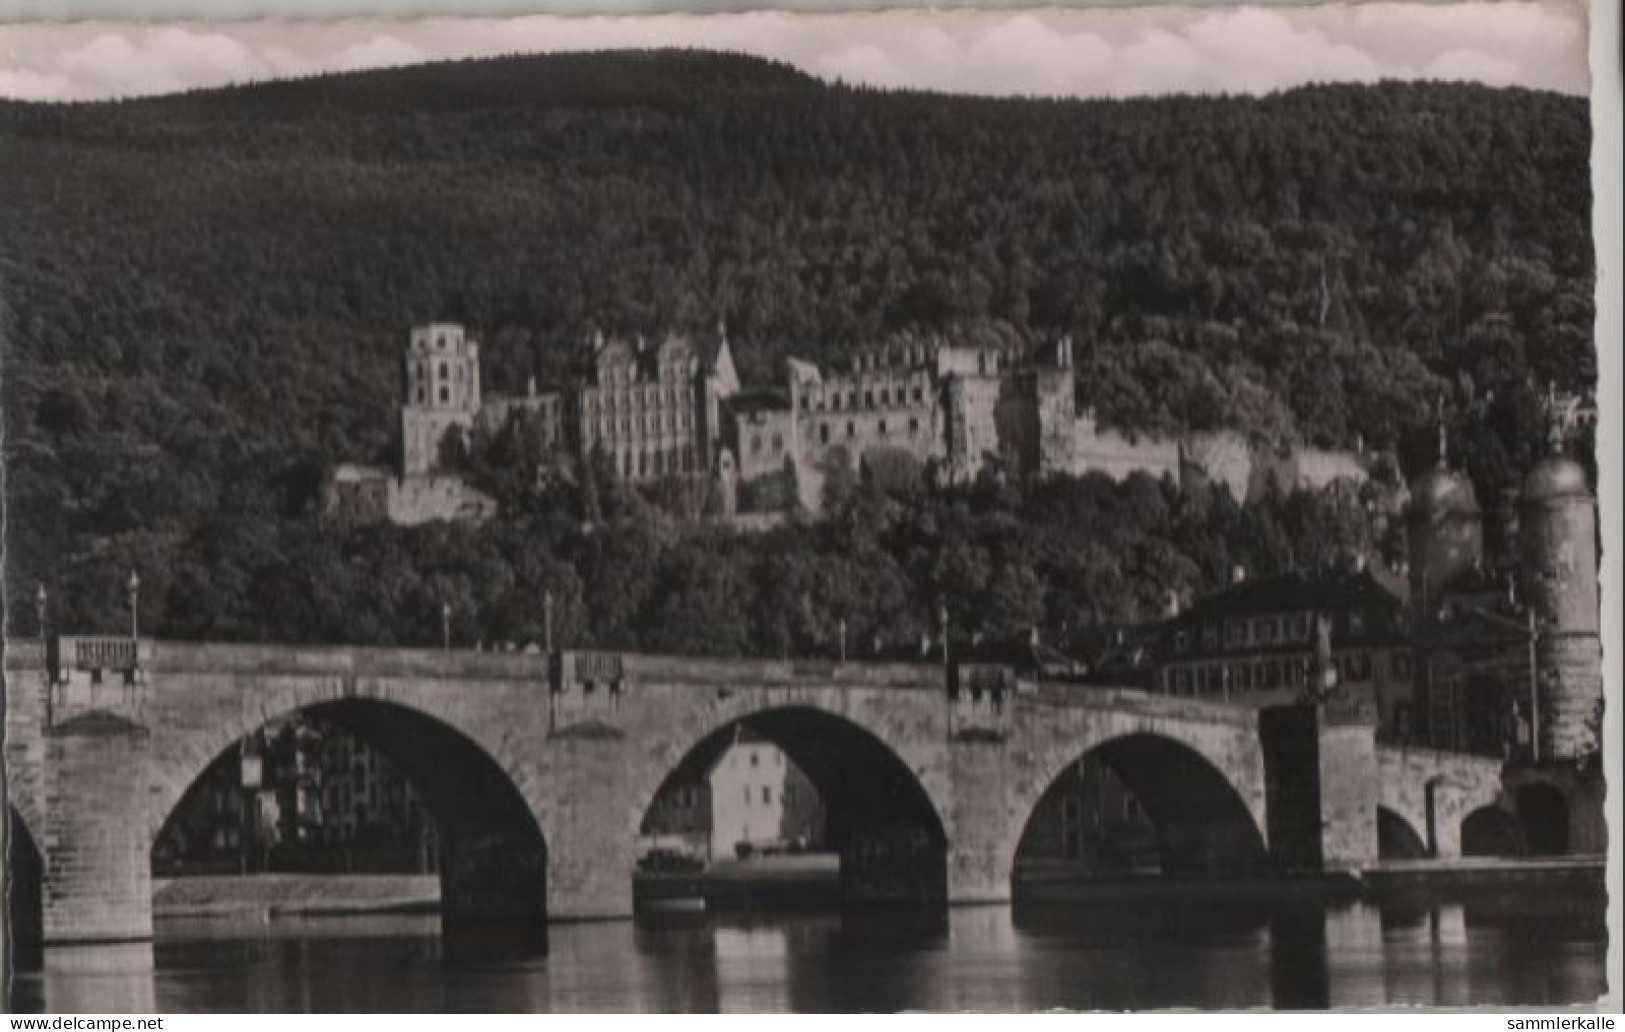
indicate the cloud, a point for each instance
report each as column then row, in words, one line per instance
column 378, row 52
column 1111, row 52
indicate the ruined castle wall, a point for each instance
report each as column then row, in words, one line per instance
column 1096, row 450
column 357, row 494
column 1223, row 457
column 1318, row 468
column 972, row 424
column 414, row 500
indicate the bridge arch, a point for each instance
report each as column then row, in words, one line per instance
column 1202, row 818
column 1397, row 837
column 881, row 803
column 24, row 900
column 493, row 847
column 1492, row 830
column 1543, row 814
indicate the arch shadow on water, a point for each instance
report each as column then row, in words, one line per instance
column 1139, row 803
column 877, row 816
column 492, row 853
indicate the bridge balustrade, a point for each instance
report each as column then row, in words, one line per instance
column 97, row 674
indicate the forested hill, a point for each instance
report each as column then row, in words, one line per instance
column 205, row 295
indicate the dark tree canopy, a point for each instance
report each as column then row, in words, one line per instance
column 206, row 296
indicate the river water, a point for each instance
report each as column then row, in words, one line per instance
column 1116, row 953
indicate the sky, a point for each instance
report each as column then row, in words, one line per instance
column 1047, row 52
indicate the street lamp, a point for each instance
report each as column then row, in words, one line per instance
column 134, row 590
column 547, row 619
column 445, row 625
column 842, row 627
column 40, row 601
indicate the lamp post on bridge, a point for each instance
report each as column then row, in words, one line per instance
column 842, row 628
column 445, row 625
column 133, row 588
column 547, row 620
column 40, row 601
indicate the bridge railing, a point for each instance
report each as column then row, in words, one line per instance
column 102, row 653
column 96, row 674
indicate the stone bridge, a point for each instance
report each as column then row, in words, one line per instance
column 539, row 768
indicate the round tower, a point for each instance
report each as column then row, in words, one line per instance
column 1446, row 533
column 1558, row 568
column 441, row 385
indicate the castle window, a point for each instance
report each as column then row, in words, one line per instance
column 868, row 399
column 882, row 428
column 806, row 403
column 913, row 427
column 919, row 396
column 421, row 396
column 778, row 443
column 445, row 394
column 444, row 370
column 440, row 342
column 823, row 433
column 755, row 444
column 835, row 401
column 851, row 429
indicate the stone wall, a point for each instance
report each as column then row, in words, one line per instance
column 414, row 500
column 1119, row 456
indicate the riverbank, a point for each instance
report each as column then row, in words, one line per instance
column 276, row 895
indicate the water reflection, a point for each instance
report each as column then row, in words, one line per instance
column 1146, row 950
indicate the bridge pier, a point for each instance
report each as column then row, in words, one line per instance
column 592, row 819
column 1323, row 785
column 979, row 819
column 98, row 875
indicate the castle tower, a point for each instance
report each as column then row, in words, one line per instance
column 1558, row 565
column 440, row 389
column 1446, row 532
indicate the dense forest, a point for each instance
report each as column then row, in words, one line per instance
column 204, row 298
